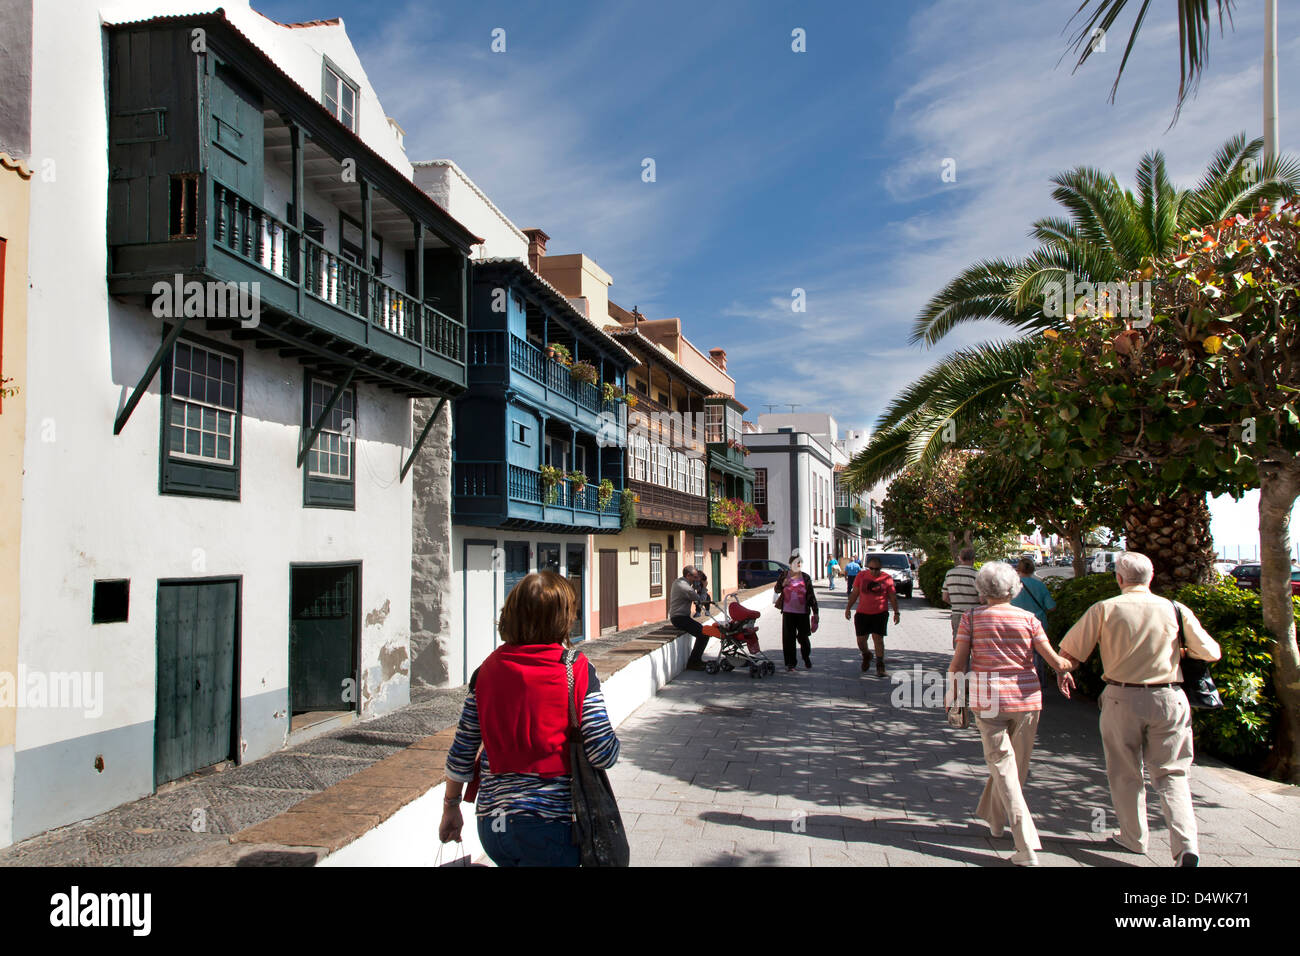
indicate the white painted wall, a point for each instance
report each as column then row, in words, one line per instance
column 448, row 186
column 91, row 506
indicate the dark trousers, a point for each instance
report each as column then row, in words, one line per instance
column 521, row 840
column 796, row 627
column 692, row 626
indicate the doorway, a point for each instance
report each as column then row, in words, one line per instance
column 575, row 562
column 323, row 641
column 716, row 578
column 197, row 691
column 608, row 590
column 670, row 571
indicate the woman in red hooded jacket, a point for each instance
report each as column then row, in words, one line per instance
column 517, row 714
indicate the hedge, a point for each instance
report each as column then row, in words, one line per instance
column 1242, row 732
column 930, row 576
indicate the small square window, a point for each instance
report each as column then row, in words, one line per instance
column 634, row 555
column 521, row 433
column 110, row 602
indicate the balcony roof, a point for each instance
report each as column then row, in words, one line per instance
column 519, row 273
column 323, row 127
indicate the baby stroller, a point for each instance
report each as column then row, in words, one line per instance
column 736, row 629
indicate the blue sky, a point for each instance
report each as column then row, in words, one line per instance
column 779, row 170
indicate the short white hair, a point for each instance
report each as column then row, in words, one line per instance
column 997, row 579
column 1133, row 567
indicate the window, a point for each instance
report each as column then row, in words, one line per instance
column 110, row 601
column 340, row 96
column 760, row 493
column 661, row 465
column 697, row 476
column 520, row 433
column 634, row 555
column 580, row 459
column 656, row 570
column 331, row 454
column 713, row 418
column 203, row 405
column 183, row 206
column 201, row 420
column 699, row 551
column 330, row 466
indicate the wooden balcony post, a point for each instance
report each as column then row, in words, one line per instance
column 296, row 161
column 419, row 284
column 366, row 264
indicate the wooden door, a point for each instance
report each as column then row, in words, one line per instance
column 715, row 580
column 323, row 633
column 197, row 632
column 608, row 589
column 575, row 561
column 670, row 572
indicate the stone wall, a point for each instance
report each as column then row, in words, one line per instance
column 431, row 565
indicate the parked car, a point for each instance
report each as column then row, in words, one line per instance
column 755, row 572
column 899, row 567
column 1103, row 562
column 1247, row 576
column 1225, row 567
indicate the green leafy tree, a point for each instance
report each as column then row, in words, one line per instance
column 927, row 503
column 1206, row 398
column 1108, row 234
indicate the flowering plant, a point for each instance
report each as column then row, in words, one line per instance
column 738, row 517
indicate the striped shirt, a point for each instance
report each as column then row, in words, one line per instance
column 959, row 582
column 546, row 797
column 1003, row 658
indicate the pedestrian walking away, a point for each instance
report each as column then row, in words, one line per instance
column 683, row 597
column 959, row 588
column 1146, row 720
column 1037, row 600
column 797, row 603
column 511, row 743
column 832, row 570
column 874, row 593
column 851, row 571
column 998, row 642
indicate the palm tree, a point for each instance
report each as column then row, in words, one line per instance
column 1106, row 236
column 1193, row 38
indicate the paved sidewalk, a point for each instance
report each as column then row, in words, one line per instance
column 817, row 768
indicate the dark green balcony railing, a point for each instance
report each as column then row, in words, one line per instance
column 254, row 235
column 484, row 479
column 529, row 360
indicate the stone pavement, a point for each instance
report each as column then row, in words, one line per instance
column 817, row 768
column 162, row 829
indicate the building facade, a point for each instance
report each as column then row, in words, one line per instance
column 274, row 293
column 795, row 476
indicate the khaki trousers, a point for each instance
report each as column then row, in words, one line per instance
column 1151, row 728
column 1008, row 745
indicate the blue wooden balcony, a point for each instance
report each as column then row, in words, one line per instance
column 503, row 359
column 499, row 495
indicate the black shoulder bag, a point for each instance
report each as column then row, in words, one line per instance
column 1198, row 685
column 597, row 825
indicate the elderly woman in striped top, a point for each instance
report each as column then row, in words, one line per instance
column 517, row 711
column 998, row 641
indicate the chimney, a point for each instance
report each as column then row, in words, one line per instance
column 536, row 248
column 719, row 357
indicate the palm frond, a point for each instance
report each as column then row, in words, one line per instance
column 979, row 292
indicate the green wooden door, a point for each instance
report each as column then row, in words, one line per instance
column 716, row 579
column 194, row 717
column 322, row 639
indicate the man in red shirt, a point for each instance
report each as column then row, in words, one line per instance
column 873, row 590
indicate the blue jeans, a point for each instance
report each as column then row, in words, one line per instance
column 526, row 840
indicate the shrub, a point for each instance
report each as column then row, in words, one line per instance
column 930, row 577
column 1242, row 732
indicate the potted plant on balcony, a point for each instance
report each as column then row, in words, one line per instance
column 551, row 478
column 736, row 516
column 584, row 372
column 859, row 514
column 604, row 493
column 559, row 353
column 612, row 393
column 578, row 482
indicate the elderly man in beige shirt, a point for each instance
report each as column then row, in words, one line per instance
column 1145, row 716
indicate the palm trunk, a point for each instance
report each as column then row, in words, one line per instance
column 1175, row 534
column 1279, row 486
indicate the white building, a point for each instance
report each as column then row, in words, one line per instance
column 216, row 516
column 794, row 487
